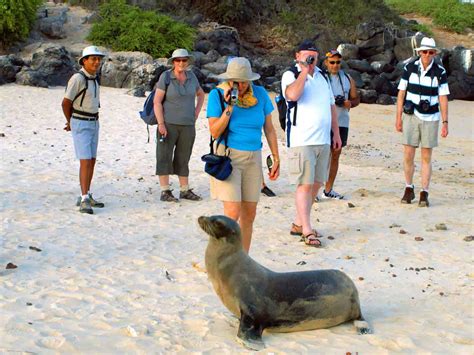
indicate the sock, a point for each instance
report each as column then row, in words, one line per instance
column 410, row 185
column 165, row 187
column 184, row 188
column 83, row 197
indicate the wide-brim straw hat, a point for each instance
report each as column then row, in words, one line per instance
column 180, row 53
column 91, row 50
column 427, row 44
column 239, row 69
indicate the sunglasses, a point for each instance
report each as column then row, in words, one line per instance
column 269, row 162
column 334, row 62
column 183, row 60
column 429, row 52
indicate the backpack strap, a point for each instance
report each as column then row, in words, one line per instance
column 292, row 104
column 224, row 134
column 82, row 92
column 167, row 82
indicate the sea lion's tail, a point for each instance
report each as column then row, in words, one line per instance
column 362, row 326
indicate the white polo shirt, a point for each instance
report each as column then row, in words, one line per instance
column 313, row 114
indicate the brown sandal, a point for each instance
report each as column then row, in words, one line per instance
column 311, row 240
column 298, row 230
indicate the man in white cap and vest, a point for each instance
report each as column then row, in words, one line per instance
column 422, row 100
column 81, row 109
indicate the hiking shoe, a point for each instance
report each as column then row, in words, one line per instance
column 167, row 196
column 332, row 194
column 85, row 206
column 267, row 192
column 424, row 199
column 189, row 195
column 409, row 195
column 94, row 203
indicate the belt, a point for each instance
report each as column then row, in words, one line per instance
column 86, row 118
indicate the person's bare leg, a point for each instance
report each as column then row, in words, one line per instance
column 408, row 163
column 303, row 201
column 85, row 174
column 183, row 181
column 164, row 180
column 426, row 168
column 247, row 217
column 334, row 167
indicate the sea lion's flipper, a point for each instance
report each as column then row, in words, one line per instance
column 362, row 326
column 250, row 333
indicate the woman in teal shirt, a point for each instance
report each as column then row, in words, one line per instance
column 245, row 119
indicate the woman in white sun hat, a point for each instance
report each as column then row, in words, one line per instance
column 422, row 101
column 245, row 116
column 81, row 109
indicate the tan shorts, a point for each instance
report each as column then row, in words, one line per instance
column 245, row 182
column 416, row 131
column 309, row 164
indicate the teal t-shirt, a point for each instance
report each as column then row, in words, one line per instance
column 245, row 125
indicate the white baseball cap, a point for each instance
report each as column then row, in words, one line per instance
column 91, row 50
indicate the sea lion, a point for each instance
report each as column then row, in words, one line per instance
column 280, row 302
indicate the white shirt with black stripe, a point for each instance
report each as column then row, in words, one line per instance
column 424, row 82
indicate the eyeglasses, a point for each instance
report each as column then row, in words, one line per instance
column 182, row 60
column 335, row 62
column 429, row 52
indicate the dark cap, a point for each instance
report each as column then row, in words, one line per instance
column 332, row 53
column 307, row 45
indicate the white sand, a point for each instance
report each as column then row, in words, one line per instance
column 100, row 285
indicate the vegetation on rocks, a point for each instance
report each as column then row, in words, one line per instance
column 451, row 14
column 16, row 20
column 128, row 28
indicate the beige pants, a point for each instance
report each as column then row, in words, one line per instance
column 309, row 164
column 416, row 131
column 245, row 181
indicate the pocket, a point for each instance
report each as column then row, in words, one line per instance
column 294, row 162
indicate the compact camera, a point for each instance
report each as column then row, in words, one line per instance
column 340, row 100
column 424, row 106
column 310, row 59
column 234, row 94
column 162, row 138
column 408, row 107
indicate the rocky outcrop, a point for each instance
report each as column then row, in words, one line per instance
column 10, row 65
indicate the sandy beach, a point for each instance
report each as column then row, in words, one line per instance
column 131, row 278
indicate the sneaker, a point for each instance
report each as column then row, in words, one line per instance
column 85, row 206
column 167, row 196
column 267, row 192
column 424, row 199
column 409, row 195
column 189, row 195
column 94, row 203
column 332, row 194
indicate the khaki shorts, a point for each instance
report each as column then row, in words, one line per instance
column 309, row 164
column 245, row 181
column 416, row 131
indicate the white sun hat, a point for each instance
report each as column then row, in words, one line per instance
column 91, row 50
column 180, row 53
column 239, row 69
column 427, row 44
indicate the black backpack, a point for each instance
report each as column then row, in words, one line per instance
column 284, row 107
column 82, row 94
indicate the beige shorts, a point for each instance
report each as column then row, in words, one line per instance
column 416, row 131
column 245, row 181
column 309, row 164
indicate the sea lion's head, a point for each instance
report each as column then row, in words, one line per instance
column 221, row 228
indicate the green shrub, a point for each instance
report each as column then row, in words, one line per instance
column 450, row 14
column 17, row 17
column 127, row 28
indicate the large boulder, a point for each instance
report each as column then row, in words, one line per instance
column 369, row 29
column 348, row 51
column 382, row 67
column 51, row 64
column 386, row 56
column 118, row 67
column 10, row 65
column 462, row 59
column 368, row 96
column 382, row 85
column 362, row 66
column 404, row 47
column 224, row 39
column 461, row 85
column 356, row 76
column 51, row 22
column 376, row 44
